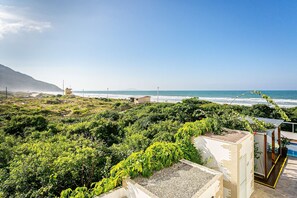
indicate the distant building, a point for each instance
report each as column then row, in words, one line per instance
column 140, row 100
column 68, row 91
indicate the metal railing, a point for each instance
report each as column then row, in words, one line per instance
column 284, row 127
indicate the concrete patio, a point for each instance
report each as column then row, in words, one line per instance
column 286, row 186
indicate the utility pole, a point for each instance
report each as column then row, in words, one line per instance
column 83, row 92
column 157, row 94
column 63, row 88
column 107, row 92
column 6, row 94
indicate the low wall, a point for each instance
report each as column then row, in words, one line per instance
column 116, row 193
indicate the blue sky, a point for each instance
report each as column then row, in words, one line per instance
column 193, row 45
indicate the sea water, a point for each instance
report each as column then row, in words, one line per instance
column 282, row 98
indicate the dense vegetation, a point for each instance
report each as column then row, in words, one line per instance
column 52, row 143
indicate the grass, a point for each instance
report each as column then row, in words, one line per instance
column 57, row 107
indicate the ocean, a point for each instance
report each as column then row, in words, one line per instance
column 282, row 98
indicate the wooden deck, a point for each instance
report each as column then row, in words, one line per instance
column 274, row 175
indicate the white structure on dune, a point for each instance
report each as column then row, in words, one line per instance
column 141, row 100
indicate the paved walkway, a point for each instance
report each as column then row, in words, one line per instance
column 286, row 186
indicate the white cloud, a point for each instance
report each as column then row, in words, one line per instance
column 12, row 22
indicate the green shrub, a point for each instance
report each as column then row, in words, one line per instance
column 19, row 124
column 45, row 168
column 41, row 155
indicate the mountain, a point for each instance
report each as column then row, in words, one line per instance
column 16, row 81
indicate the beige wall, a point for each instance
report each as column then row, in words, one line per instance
column 116, row 193
column 68, row 91
column 246, row 149
column 135, row 191
column 213, row 188
column 225, row 157
column 142, row 100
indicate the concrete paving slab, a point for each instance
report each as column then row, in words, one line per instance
column 287, row 184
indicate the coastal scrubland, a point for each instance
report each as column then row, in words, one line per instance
column 53, row 144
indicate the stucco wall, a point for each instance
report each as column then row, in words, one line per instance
column 134, row 190
column 116, row 193
column 224, row 156
column 220, row 156
column 141, row 100
column 246, row 150
column 213, row 189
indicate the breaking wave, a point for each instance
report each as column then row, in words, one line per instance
column 221, row 100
